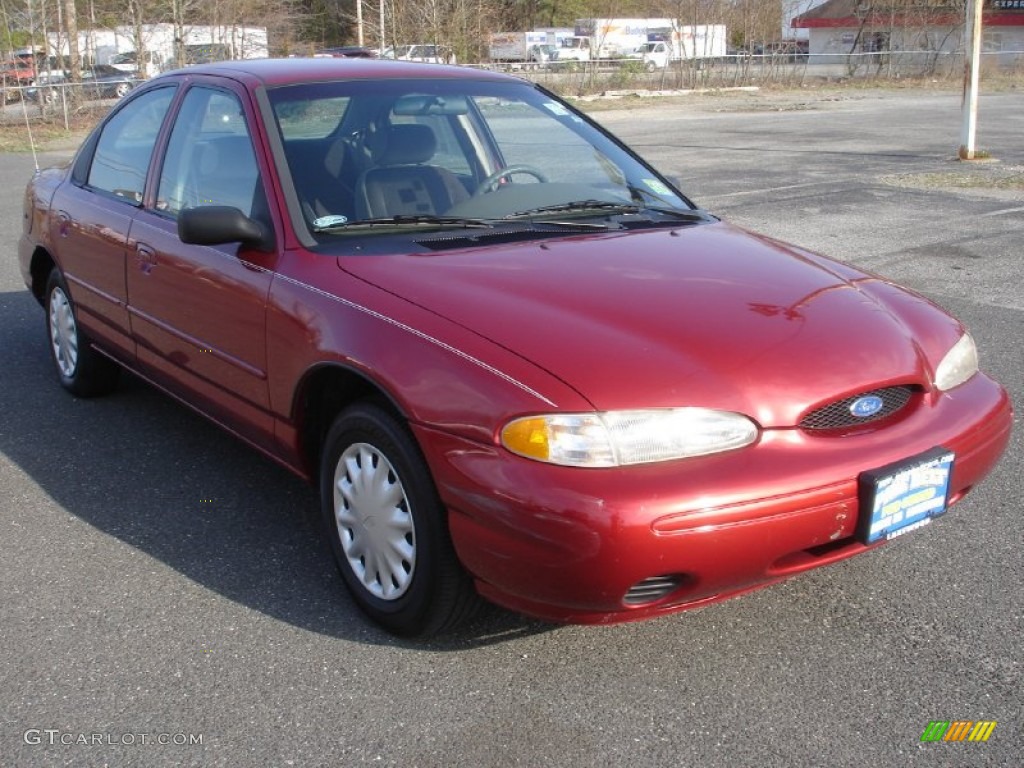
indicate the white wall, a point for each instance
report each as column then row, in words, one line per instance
column 792, row 8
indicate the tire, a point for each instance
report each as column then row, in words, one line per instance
column 388, row 528
column 81, row 369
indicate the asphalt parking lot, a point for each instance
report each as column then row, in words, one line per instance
column 167, row 600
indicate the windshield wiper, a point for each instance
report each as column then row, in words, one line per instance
column 678, row 214
column 405, row 220
column 607, row 206
column 577, row 206
column 662, row 205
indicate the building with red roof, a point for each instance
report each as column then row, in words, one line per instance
column 909, row 35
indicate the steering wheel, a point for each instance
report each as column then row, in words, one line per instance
column 491, row 182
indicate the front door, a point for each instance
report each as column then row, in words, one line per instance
column 198, row 313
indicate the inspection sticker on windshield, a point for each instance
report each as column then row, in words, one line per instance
column 902, row 497
column 657, row 187
column 325, row 222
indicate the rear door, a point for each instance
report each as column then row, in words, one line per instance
column 92, row 216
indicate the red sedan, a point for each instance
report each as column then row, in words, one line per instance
column 518, row 362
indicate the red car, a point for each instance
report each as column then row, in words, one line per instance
column 15, row 76
column 517, row 361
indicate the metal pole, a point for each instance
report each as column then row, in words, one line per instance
column 972, row 66
column 359, row 21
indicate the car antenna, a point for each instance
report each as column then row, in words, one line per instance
column 31, row 138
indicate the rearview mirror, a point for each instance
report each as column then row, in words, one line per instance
column 428, row 104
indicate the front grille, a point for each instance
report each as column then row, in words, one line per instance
column 838, row 415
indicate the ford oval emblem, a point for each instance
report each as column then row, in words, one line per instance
column 866, row 406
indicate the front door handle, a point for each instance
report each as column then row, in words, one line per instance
column 146, row 257
column 63, row 223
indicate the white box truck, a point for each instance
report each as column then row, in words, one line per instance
column 520, row 48
column 200, row 43
column 695, row 42
column 606, row 39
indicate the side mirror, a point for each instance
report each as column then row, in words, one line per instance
column 219, row 224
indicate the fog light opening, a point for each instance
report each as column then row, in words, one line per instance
column 654, row 588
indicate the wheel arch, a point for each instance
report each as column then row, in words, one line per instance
column 323, row 392
column 40, row 266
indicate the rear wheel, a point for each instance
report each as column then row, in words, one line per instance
column 81, row 369
column 388, row 528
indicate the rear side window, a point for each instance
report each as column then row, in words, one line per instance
column 125, row 146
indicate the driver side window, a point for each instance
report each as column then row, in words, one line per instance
column 210, row 158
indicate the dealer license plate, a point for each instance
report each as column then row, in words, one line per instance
column 904, row 496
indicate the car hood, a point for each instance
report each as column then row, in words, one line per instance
column 706, row 315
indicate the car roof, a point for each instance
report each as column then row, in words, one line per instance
column 271, row 72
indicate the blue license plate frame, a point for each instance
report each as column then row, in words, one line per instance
column 904, row 496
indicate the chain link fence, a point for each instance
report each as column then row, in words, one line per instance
column 67, row 103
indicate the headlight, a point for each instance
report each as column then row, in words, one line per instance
column 617, row 438
column 959, row 364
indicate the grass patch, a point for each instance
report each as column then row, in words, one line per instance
column 48, row 133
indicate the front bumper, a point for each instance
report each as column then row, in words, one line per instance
column 579, row 545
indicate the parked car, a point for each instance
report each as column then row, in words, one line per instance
column 19, row 71
column 206, row 53
column 790, row 51
column 516, row 361
column 425, row 53
column 543, row 54
column 15, row 76
column 786, row 51
column 128, row 62
column 347, row 52
column 102, row 81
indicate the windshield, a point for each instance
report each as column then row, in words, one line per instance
column 409, row 150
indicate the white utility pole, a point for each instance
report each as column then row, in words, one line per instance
column 359, row 21
column 972, row 66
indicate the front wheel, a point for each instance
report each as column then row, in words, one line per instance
column 388, row 528
column 81, row 369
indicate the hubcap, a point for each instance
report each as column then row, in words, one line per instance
column 63, row 333
column 374, row 521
